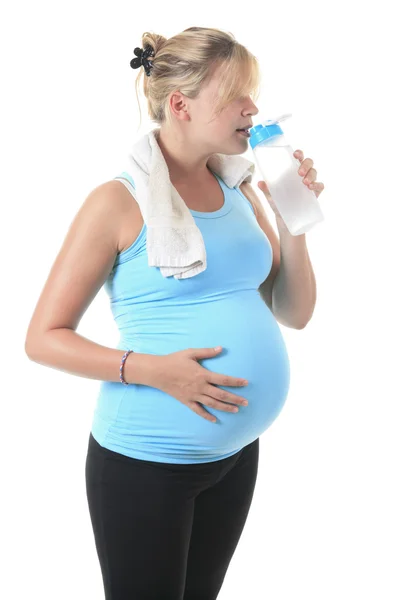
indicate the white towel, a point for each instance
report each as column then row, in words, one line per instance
column 174, row 242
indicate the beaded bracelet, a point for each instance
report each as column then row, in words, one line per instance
column 121, row 377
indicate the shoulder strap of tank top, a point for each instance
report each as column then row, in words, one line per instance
column 247, row 191
column 127, row 180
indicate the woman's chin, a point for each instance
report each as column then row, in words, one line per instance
column 244, row 139
column 243, row 143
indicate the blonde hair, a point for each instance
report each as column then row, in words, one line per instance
column 187, row 60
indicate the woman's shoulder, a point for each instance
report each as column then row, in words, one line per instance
column 121, row 193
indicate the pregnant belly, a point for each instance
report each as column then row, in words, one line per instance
column 162, row 428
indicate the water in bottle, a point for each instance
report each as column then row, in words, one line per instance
column 297, row 205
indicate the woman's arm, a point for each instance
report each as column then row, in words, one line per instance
column 79, row 271
column 66, row 350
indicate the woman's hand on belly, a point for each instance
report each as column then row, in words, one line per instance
column 179, row 375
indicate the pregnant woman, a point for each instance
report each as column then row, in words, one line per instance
column 173, row 450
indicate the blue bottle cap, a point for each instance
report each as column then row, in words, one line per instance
column 266, row 130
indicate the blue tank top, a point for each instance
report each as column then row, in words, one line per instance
column 219, row 307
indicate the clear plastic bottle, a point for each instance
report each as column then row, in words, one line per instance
column 297, row 205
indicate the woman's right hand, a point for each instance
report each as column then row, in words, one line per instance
column 180, row 375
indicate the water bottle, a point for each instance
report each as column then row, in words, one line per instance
column 297, row 205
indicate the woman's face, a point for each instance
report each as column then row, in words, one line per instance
column 219, row 130
column 211, row 132
column 238, row 114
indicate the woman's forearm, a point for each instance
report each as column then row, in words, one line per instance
column 294, row 287
column 66, row 350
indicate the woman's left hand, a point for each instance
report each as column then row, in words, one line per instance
column 306, row 170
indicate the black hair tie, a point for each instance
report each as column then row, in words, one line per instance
column 142, row 59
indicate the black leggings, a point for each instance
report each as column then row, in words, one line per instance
column 166, row 531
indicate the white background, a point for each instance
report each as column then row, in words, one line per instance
column 324, row 523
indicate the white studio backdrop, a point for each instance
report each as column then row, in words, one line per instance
column 324, row 522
